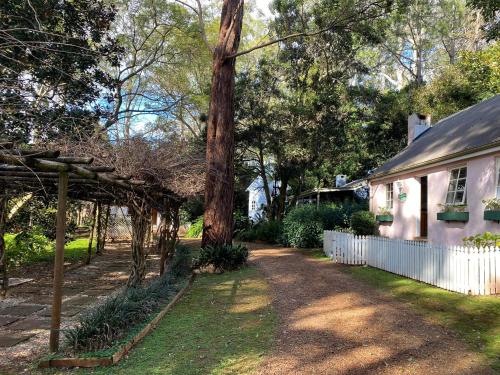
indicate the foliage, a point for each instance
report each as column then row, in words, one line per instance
column 31, row 247
column 112, row 319
column 384, row 211
column 489, row 10
column 458, row 86
column 196, row 229
column 222, row 257
column 364, row 223
column 303, row 226
column 475, row 318
column 51, row 51
column 452, row 207
column 491, row 204
column 182, row 262
column 226, row 324
column 26, row 247
column 241, row 222
column 486, row 239
column 270, row 231
column 191, row 210
column 40, row 215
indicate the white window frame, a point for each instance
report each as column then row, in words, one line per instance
column 389, row 195
column 254, row 205
column 497, row 177
column 464, row 198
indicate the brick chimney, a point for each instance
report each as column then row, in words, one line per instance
column 417, row 124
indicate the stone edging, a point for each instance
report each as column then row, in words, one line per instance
column 116, row 357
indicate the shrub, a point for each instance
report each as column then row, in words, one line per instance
column 304, row 225
column 241, row 223
column 486, row 239
column 222, row 257
column 268, row 231
column 364, row 223
column 27, row 247
column 196, row 229
column 491, row 204
column 182, row 262
column 112, row 319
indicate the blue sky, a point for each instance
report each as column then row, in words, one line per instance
column 263, row 5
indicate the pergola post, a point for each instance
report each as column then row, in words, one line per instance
column 91, row 237
column 59, row 261
column 3, row 261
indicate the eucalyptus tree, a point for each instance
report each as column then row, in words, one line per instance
column 157, row 38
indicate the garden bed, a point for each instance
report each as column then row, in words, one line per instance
column 114, row 354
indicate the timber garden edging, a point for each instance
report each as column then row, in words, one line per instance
column 123, row 350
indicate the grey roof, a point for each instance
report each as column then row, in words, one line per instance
column 473, row 128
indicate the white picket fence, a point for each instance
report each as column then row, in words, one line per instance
column 461, row 269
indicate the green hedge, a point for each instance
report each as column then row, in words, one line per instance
column 364, row 223
column 266, row 231
column 304, row 225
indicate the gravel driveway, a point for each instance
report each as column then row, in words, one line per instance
column 333, row 324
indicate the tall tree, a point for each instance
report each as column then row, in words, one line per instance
column 50, row 78
column 219, row 185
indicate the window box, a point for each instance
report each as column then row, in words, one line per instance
column 453, row 216
column 384, row 218
column 493, row 215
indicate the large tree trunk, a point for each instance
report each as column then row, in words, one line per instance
column 219, row 187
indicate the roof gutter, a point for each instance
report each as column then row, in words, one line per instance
column 458, row 156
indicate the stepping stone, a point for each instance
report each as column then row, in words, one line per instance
column 42, row 300
column 21, row 310
column 71, row 292
column 4, row 320
column 68, row 311
column 94, row 292
column 79, row 301
column 30, row 324
column 14, row 281
column 12, row 339
column 105, row 287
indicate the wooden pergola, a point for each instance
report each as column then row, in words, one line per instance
column 43, row 172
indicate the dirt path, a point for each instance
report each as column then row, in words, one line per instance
column 333, row 324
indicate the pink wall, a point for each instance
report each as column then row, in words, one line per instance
column 480, row 185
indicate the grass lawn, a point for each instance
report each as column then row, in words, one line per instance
column 224, row 325
column 76, row 250
column 44, row 251
column 475, row 318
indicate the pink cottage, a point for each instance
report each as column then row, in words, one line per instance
column 434, row 189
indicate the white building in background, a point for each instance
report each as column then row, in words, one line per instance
column 257, row 198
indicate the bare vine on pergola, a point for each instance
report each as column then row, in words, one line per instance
column 172, row 170
column 135, row 174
